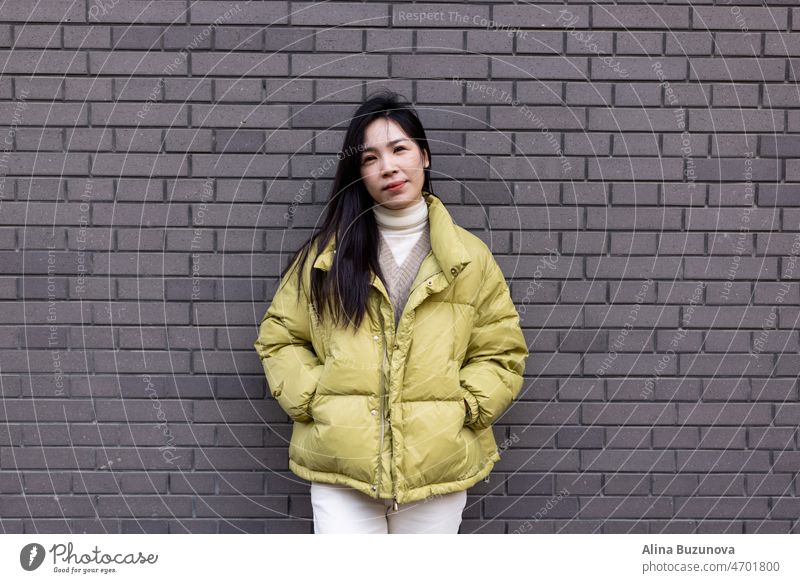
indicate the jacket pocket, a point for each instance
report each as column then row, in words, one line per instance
column 434, row 446
column 305, row 415
column 316, row 393
column 301, row 412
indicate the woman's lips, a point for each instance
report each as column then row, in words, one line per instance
column 397, row 187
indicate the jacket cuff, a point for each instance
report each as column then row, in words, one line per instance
column 472, row 402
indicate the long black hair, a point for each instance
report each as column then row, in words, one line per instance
column 344, row 290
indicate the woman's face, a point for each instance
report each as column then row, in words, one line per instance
column 389, row 156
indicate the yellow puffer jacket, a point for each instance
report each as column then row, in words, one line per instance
column 383, row 410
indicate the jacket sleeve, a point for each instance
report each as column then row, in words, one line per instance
column 284, row 346
column 491, row 374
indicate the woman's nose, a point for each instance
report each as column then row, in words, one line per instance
column 389, row 165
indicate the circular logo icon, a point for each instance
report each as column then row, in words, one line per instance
column 31, row 556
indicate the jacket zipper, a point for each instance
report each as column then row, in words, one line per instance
column 391, row 459
column 380, row 447
column 383, row 386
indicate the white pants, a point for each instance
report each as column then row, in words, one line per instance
column 344, row 510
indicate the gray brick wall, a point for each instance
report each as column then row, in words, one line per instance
column 634, row 166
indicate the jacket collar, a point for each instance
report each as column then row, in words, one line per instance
column 446, row 244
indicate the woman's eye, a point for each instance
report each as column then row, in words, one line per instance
column 370, row 158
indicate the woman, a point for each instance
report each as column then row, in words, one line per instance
column 396, row 347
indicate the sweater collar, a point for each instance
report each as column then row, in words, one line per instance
column 409, row 218
column 446, row 244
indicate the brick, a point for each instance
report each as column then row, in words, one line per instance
column 723, row 18
column 44, row 11
column 139, row 11
column 640, row 17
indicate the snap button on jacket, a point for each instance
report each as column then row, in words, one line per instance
column 401, row 413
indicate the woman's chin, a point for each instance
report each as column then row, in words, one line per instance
column 402, row 199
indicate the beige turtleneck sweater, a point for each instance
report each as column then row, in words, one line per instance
column 402, row 228
column 404, row 244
